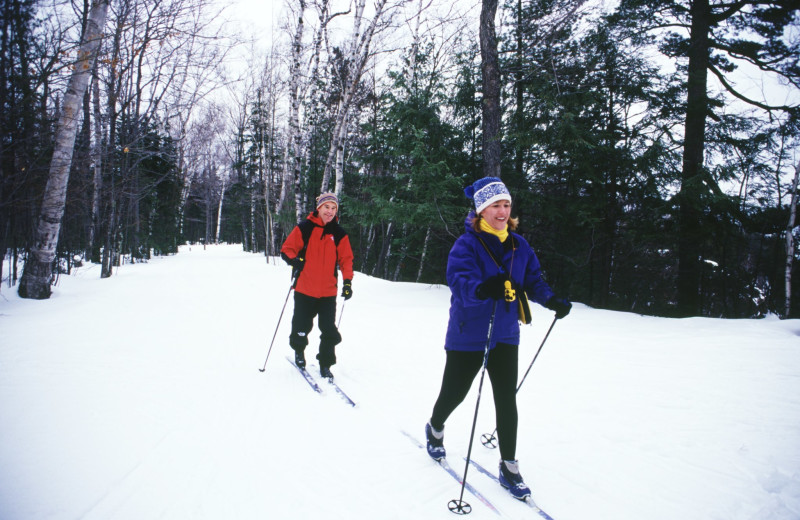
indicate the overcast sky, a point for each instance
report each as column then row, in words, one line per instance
column 262, row 19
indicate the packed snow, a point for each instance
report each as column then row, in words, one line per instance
column 140, row 397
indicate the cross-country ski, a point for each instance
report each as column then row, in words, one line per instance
column 306, row 375
column 338, row 390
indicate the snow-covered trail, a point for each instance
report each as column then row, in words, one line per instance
column 139, row 397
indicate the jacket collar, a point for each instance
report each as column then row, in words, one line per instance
column 315, row 219
column 489, row 239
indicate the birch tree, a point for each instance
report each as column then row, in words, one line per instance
column 38, row 273
column 291, row 175
column 790, row 249
column 96, row 166
column 301, row 78
column 356, row 60
column 271, row 87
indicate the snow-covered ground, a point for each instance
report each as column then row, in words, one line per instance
column 140, row 397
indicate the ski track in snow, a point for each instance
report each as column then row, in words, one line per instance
column 139, row 397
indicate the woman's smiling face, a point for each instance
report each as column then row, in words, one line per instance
column 497, row 214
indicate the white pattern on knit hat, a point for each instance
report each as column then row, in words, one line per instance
column 487, row 191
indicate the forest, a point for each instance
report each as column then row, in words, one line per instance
column 652, row 147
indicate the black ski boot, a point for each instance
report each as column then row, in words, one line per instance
column 300, row 359
column 325, row 372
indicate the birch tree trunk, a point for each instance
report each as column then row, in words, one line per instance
column 358, row 56
column 339, row 184
column 388, row 253
column 219, row 211
column 403, row 255
column 97, row 167
column 265, row 167
column 424, row 254
column 253, row 215
column 370, row 241
column 38, row 274
column 383, row 255
column 790, row 241
column 270, row 247
column 291, row 173
column 294, row 116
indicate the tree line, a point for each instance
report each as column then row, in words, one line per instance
column 647, row 178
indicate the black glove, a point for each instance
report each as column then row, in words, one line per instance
column 347, row 289
column 297, row 266
column 493, row 287
column 561, row 306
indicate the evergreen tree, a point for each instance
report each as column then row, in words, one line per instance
column 588, row 160
column 706, row 38
column 417, row 160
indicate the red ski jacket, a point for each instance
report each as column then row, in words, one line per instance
column 327, row 250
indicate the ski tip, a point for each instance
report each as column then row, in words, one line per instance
column 532, row 505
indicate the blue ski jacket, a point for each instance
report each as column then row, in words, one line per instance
column 469, row 264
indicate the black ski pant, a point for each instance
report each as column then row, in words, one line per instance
column 306, row 308
column 459, row 372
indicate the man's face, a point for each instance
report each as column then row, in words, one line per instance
column 327, row 211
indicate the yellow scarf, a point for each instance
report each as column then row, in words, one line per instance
column 502, row 235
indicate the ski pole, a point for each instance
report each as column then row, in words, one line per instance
column 339, row 323
column 488, row 439
column 277, row 326
column 459, row 506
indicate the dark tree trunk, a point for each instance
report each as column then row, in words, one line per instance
column 490, row 72
column 690, row 196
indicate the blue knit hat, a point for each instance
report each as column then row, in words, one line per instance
column 487, row 191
